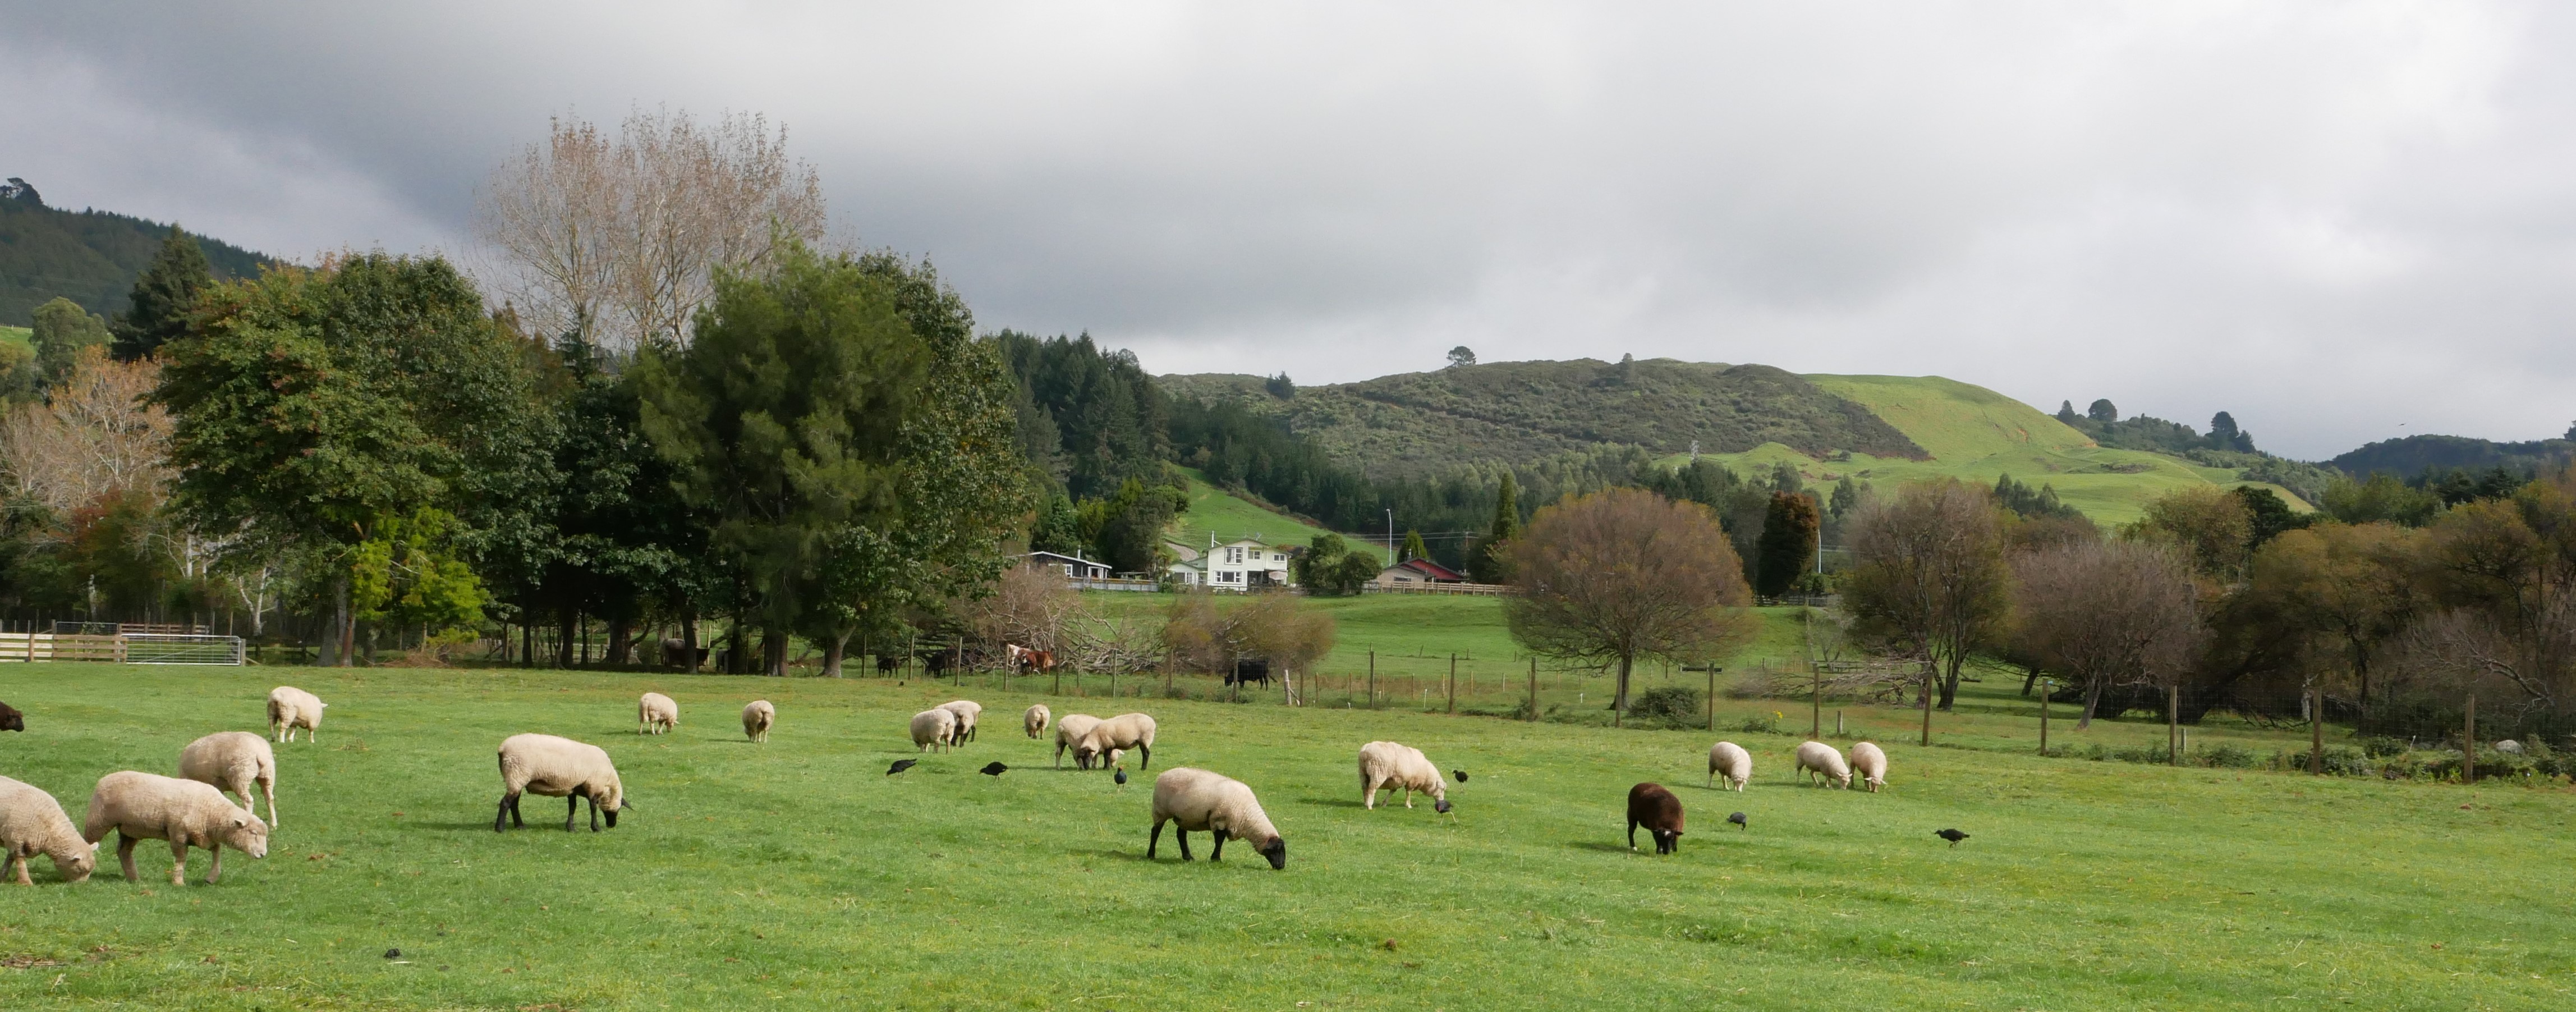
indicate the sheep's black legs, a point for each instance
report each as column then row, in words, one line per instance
column 1217, row 854
column 1148, row 752
column 572, row 807
column 1153, row 841
column 501, row 814
column 125, row 854
column 1632, row 834
column 515, row 820
column 1183, row 836
column 594, row 815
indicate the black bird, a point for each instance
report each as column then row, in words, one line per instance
column 1738, row 820
column 393, row 953
column 1121, row 776
column 900, row 765
column 1952, row 835
column 993, row 769
column 1460, row 774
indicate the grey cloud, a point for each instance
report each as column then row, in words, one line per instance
column 2326, row 219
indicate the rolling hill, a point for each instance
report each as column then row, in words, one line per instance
column 1225, row 516
column 2409, row 456
column 89, row 257
column 1879, row 429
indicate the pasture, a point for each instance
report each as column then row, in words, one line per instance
column 796, row 875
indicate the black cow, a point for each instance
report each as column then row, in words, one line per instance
column 1249, row 671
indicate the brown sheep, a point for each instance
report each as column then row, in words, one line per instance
column 1655, row 808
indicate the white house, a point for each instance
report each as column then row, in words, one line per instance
column 1241, row 564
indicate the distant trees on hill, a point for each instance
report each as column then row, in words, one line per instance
column 89, row 257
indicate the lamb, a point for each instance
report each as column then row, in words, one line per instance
column 1069, row 733
column 1871, row 763
column 1197, row 799
column 757, row 715
column 1035, row 720
column 934, row 729
column 656, row 713
column 968, row 712
column 290, row 708
column 558, row 768
column 32, row 823
column 11, row 719
column 1817, row 757
column 1110, row 738
column 143, row 806
column 1731, row 760
column 233, row 761
column 1652, row 806
column 1388, row 765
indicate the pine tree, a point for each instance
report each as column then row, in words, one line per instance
column 158, row 308
column 1482, row 564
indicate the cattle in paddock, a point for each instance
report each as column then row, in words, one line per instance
column 1249, row 671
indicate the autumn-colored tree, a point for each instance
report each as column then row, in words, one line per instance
column 1622, row 575
column 2349, row 587
column 2209, row 524
column 1928, row 576
column 2107, row 613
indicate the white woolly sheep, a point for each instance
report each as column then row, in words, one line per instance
column 1069, row 733
column 656, row 713
column 233, row 761
column 144, row 806
column 553, row 767
column 934, row 729
column 1109, row 738
column 968, row 712
column 32, row 823
column 757, row 715
column 1197, row 799
column 290, row 708
column 1035, row 720
column 1817, row 757
column 1870, row 764
column 1393, row 766
column 1733, row 762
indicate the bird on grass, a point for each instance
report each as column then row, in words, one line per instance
column 1952, row 835
column 994, row 769
column 1460, row 774
column 900, row 765
column 1120, row 777
column 1738, row 820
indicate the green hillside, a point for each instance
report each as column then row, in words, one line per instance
column 1227, row 516
column 89, row 257
column 1416, row 424
column 15, row 335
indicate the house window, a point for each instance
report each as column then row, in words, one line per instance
column 1234, row 555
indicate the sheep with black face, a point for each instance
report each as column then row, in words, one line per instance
column 1654, row 807
column 1194, row 799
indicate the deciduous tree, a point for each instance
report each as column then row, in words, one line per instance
column 2106, row 614
column 1928, row 575
column 1625, row 574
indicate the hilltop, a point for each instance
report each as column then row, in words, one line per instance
column 1752, row 417
column 2409, row 456
column 90, row 257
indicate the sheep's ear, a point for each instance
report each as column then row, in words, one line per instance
column 240, row 822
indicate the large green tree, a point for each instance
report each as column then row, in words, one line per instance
column 783, row 421
column 1486, row 562
column 312, row 408
column 62, row 329
column 157, row 311
column 1787, row 546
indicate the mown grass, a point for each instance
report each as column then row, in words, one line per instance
column 16, row 335
column 797, row 875
column 1228, row 516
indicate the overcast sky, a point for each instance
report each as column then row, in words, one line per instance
column 2340, row 221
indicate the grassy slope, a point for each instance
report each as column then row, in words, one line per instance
column 1228, row 516
column 16, row 335
column 1977, row 435
column 795, row 875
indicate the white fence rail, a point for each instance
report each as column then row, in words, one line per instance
column 128, row 648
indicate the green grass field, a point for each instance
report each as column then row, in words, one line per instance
column 1977, row 435
column 16, row 335
column 796, row 875
column 1228, row 516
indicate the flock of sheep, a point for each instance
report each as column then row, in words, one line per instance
column 191, row 810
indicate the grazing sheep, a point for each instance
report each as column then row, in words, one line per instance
column 11, row 719
column 233, row 761
column 143, row 806
column 757, row 715
column 968, row 712
column 1110, row 738
column 1733, row 761
column 1655, row 808
column 934, row 729
column 1817, row 757
column 1069, row 733
column 1871, row 765
column 1035, row 720
column 1197, row 799
column 1388, row 765
column 290, row 708
column 32, row 823
column 558, row 768
column 656, row 713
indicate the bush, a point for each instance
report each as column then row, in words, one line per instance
column 2228, row 755
column 1761, row 723
column 1673, row 705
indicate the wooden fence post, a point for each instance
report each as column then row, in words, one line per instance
column 1712, row 698
column 1453, row 684
column 2469, row 743
column 1533, row 687
column 2044, row 693
column 2173, row 724
column 2316, row 732
column 1928, row 676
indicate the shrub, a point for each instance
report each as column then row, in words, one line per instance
column 2228, row 755
column 1674, row 705
column 1761, row 723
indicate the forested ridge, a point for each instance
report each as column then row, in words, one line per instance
column 90, row 257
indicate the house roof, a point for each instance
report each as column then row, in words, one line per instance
column 1061, row 557
column 1430, row 570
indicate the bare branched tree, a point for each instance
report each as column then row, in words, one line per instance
column 1929, row 578
column 92, row 440
column 2108, row 613
column 618, row 238
column 1625, row 574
